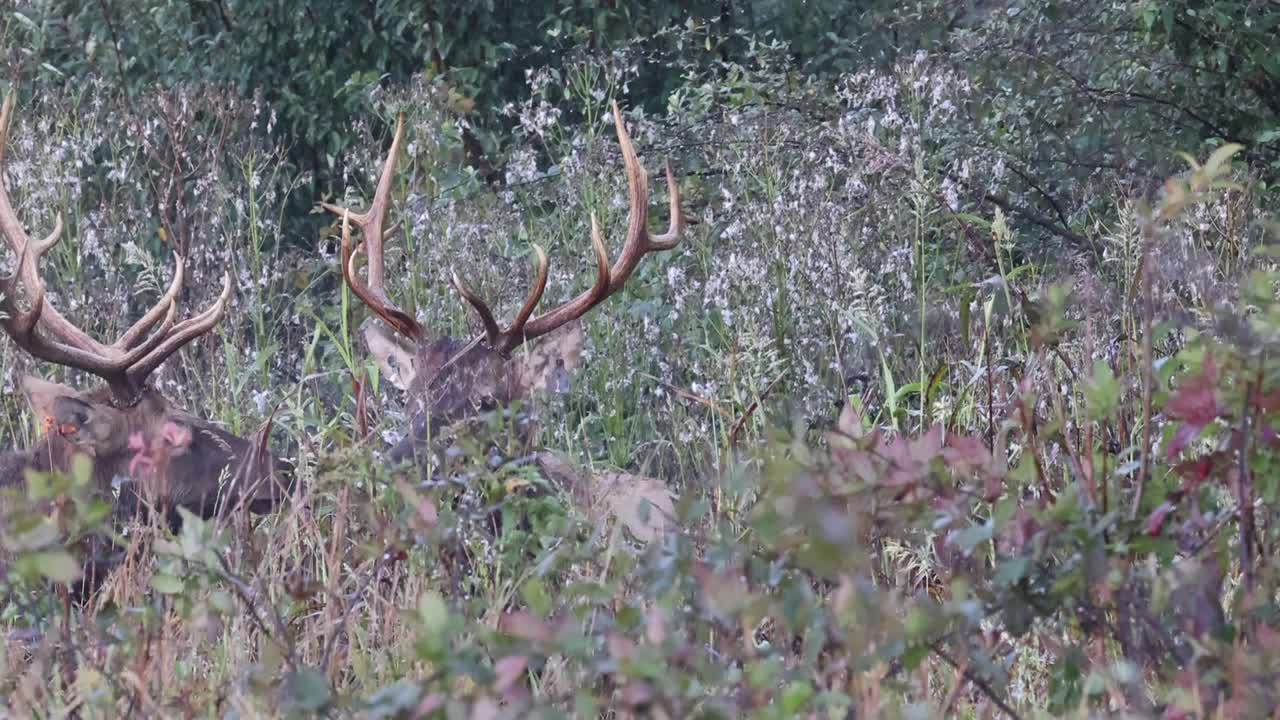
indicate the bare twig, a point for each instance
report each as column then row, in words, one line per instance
column 746, row 416
column 977, row 681
column 247, row 594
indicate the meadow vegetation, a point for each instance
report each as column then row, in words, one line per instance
column 959, row 398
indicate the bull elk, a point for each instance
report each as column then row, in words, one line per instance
column 101, row 422
column 447, row 379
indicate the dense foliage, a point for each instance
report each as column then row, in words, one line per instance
column 949, row 404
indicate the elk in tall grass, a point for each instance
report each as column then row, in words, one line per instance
column 205, row 468
column 448, row 379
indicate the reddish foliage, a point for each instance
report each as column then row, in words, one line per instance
column 1195, row 403
column 1157, row 517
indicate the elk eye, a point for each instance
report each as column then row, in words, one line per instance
column 69, row 411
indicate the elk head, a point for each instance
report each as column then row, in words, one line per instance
column 100, row 422
column 447, row 379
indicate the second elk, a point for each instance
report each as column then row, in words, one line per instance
column 157, row 453
column 449, row 379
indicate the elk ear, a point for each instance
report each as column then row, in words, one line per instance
column 547, row 366
column 42, row 395
column 397, row 361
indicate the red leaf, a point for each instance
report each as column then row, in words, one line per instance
column 526, row 626
column 966, row 450
column 1156, row 519
column 620, row 646
column 508, row 671
column 1194, row 472
column 1269, row 402
column 637, row 693
column 927, row 446
column 1185, row 433
column 1196, row 399
column 429, row 704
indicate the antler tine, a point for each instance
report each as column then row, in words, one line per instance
column 675, row 228
column 371, row 224
column 491, row 331
column 638, row 243
column 504, row 341
column 515, row 334
column 173, row 337
column 17, row 323
column 20, row 325
column 399, row 320
column 166, row 304
column 52, row 320
column 6, row 113
column 577, row 307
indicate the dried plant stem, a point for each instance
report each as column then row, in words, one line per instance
column 1244, row 487
column 1144, row 467
column 991, row 401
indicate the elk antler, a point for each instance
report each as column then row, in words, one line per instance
column 371, row 223
column 45, row 333
column 609, row 280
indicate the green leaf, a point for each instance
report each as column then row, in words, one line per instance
column 33, row 534
column 81, row 469
column 795, row 695
column 395, row 700
column 970, row 537
column 57, row 565
column 1012, row 570
column 761, row 673
column 222, row 601
column 306, row 689
column 433, row 613
column 913, row 656
column 1102, row 392
column 166, row 584
column 1004, row 510
column 917, row 622
column 534, row 593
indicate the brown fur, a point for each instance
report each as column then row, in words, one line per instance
column 88, row 422
column 444, row 386
column 211, row 471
